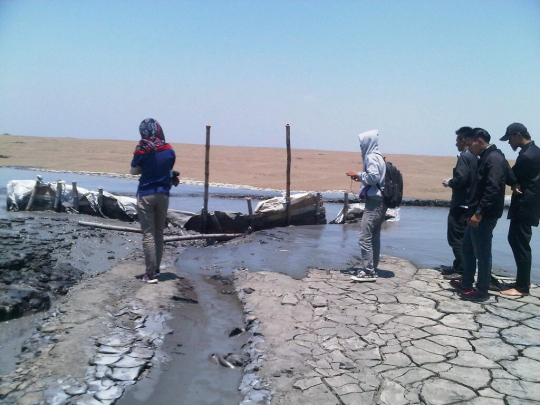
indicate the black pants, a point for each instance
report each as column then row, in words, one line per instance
column 457, row 223
column 519, row 237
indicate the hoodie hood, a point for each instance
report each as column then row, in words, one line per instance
column 369, row 142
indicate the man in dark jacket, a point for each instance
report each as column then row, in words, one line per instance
column 487, row 208
column 463, row 185
column 524, row 211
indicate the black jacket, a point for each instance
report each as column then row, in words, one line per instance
column 526, row 206
column 492, row 169
column 463, row 181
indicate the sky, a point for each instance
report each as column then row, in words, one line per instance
column 415, row 70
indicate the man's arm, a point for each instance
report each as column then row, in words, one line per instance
column 372, row 174
column 462, row 174
column 495, row 184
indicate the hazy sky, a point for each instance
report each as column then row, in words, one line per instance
column 415, row 70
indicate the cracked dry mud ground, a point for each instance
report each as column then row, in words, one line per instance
column 406, row 339
column 101, row 337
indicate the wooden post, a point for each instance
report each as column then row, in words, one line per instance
column 58, row 197
column 33, row 195
column 250, row 212
column 100, row 197
column 345, row 205
column 288, row 195
column 318, row 208
column 75, row 195
column 204, row 213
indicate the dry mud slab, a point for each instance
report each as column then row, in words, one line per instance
column 406, row 339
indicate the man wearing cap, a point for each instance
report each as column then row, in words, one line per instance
column 524, row 211
column 487, row 208
column 463, row 185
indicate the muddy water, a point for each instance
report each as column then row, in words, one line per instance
column 420, row 235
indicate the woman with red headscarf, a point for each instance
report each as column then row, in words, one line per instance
column 154, row 160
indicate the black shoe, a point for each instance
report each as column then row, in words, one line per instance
column 494, row 285
column 474, row 295
column 447, row 270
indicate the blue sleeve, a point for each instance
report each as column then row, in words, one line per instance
column 137, row 160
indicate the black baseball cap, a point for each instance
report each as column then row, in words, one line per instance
column 513, row 129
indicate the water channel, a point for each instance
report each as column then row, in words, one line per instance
column 419, row 236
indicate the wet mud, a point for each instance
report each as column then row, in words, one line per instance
column 204, row 364
column 43, row 256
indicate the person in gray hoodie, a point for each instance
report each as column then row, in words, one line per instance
column 372, row 181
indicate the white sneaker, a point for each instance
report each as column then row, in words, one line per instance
column 149, row 280
column 362, row 276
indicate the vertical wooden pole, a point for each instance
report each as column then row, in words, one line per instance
column 345, row 205
column 250, row 211
column 100, row 197
column 318, row 208
column 75, row 195
column 206, row 179
column 288, row 195
column 33, row 195
column 58, row 197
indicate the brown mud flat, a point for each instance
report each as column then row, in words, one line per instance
column 311, row 170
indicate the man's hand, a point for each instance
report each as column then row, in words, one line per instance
column 445, row 182
column 352, row 175
column 516, row 189
column 475, row 220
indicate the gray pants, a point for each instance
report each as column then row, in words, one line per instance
column 370, row 233
column 152, row 211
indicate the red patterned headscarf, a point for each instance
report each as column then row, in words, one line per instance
column 152, row 138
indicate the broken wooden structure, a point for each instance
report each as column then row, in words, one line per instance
column 305, row 209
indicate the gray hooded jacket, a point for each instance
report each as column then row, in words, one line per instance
column 374, row 165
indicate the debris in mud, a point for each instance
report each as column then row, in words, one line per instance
column 184, row 299
column 236, row 332
column 224, row 280
column 235, row 360
column 219, row 359
column 229, row 360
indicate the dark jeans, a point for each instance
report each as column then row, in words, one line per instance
column 477, row 246
column 519, row 237
column 457, row 223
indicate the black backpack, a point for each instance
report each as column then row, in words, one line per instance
column 393, row 186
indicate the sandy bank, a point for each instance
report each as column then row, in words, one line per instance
column 312, row 170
